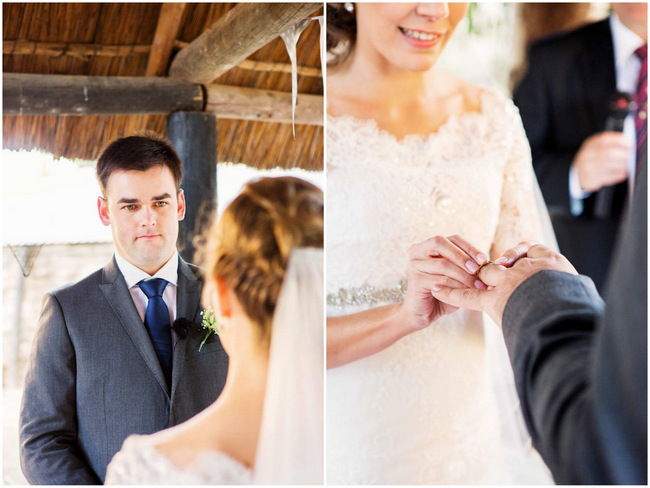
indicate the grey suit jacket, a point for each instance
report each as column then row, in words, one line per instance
column 93, row 377
column 581, row 366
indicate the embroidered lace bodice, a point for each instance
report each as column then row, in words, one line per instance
column 472, row 177
column 140, row 463
column 424, row 410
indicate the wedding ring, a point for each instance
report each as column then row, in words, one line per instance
column 481, row 265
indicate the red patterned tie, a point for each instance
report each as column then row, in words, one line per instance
column 641, row 100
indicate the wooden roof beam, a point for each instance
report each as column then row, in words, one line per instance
column 29, row 94
column 169, row 23
column 235, row 36
column 26, row 94
column 235, row 102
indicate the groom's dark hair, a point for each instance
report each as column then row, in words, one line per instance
column 138, row 153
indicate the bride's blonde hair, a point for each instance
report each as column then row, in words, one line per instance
column 250, row 244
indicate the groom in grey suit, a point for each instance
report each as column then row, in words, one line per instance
column 580, row 363
column 104, row 365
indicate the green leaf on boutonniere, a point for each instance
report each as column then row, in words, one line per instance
column 209, row 322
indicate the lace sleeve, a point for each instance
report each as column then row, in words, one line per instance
column 521, row 215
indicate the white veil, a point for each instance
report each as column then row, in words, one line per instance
column 548, row 234
column 517, row 450
column 290, row 447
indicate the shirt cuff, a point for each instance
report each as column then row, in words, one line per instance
column 576, row 193
column 574, row 185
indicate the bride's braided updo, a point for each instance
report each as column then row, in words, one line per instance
column 249, row 246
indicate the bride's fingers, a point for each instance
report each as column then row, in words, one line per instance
column 442, row 246
column 474, row 252
column 511, row 256
column 444, row 267
column 428, row 282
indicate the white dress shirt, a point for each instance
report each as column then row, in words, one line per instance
column 133, row 275
column 627, row 65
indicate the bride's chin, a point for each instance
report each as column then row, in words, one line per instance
column 422, row 69
column 417, row 65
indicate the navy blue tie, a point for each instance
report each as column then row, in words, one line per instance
column 158, row 323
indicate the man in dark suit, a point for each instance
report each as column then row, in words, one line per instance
column 580, row 364
column 105, row 362
column 564, row 102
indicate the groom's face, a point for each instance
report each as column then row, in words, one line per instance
column 143, row 209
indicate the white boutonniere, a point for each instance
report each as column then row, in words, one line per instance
column 209, row 323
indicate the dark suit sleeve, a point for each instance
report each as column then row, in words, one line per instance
column 581, row 369
column 533, row 98
column 48, row 450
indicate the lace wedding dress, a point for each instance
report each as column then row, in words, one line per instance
column 438, row 406
column 140, row 463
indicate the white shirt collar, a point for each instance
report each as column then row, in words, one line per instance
column 624, row 40
column 133, row 275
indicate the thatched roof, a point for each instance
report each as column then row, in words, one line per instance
column 107, row 39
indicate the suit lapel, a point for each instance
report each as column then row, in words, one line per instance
column 598, row 72
column 117, row 294
column 187, row 305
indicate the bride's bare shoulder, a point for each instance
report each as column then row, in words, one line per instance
column 464, row 96
column 343, row 98
column 471, row 94
column 339, row 99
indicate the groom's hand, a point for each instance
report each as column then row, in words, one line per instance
column 503, row 277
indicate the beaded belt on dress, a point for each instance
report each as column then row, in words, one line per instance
column 367, row 294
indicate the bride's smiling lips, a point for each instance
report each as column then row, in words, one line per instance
column 420, row 38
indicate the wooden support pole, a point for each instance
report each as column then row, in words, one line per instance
column 194, row 136
column 235, row 36
column 233, row 102
column 169, row 22
column 25, row 94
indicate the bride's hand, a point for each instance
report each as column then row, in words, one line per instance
column 443, row 261
column 504, row 276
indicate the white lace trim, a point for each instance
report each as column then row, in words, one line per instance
column 140, row 463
